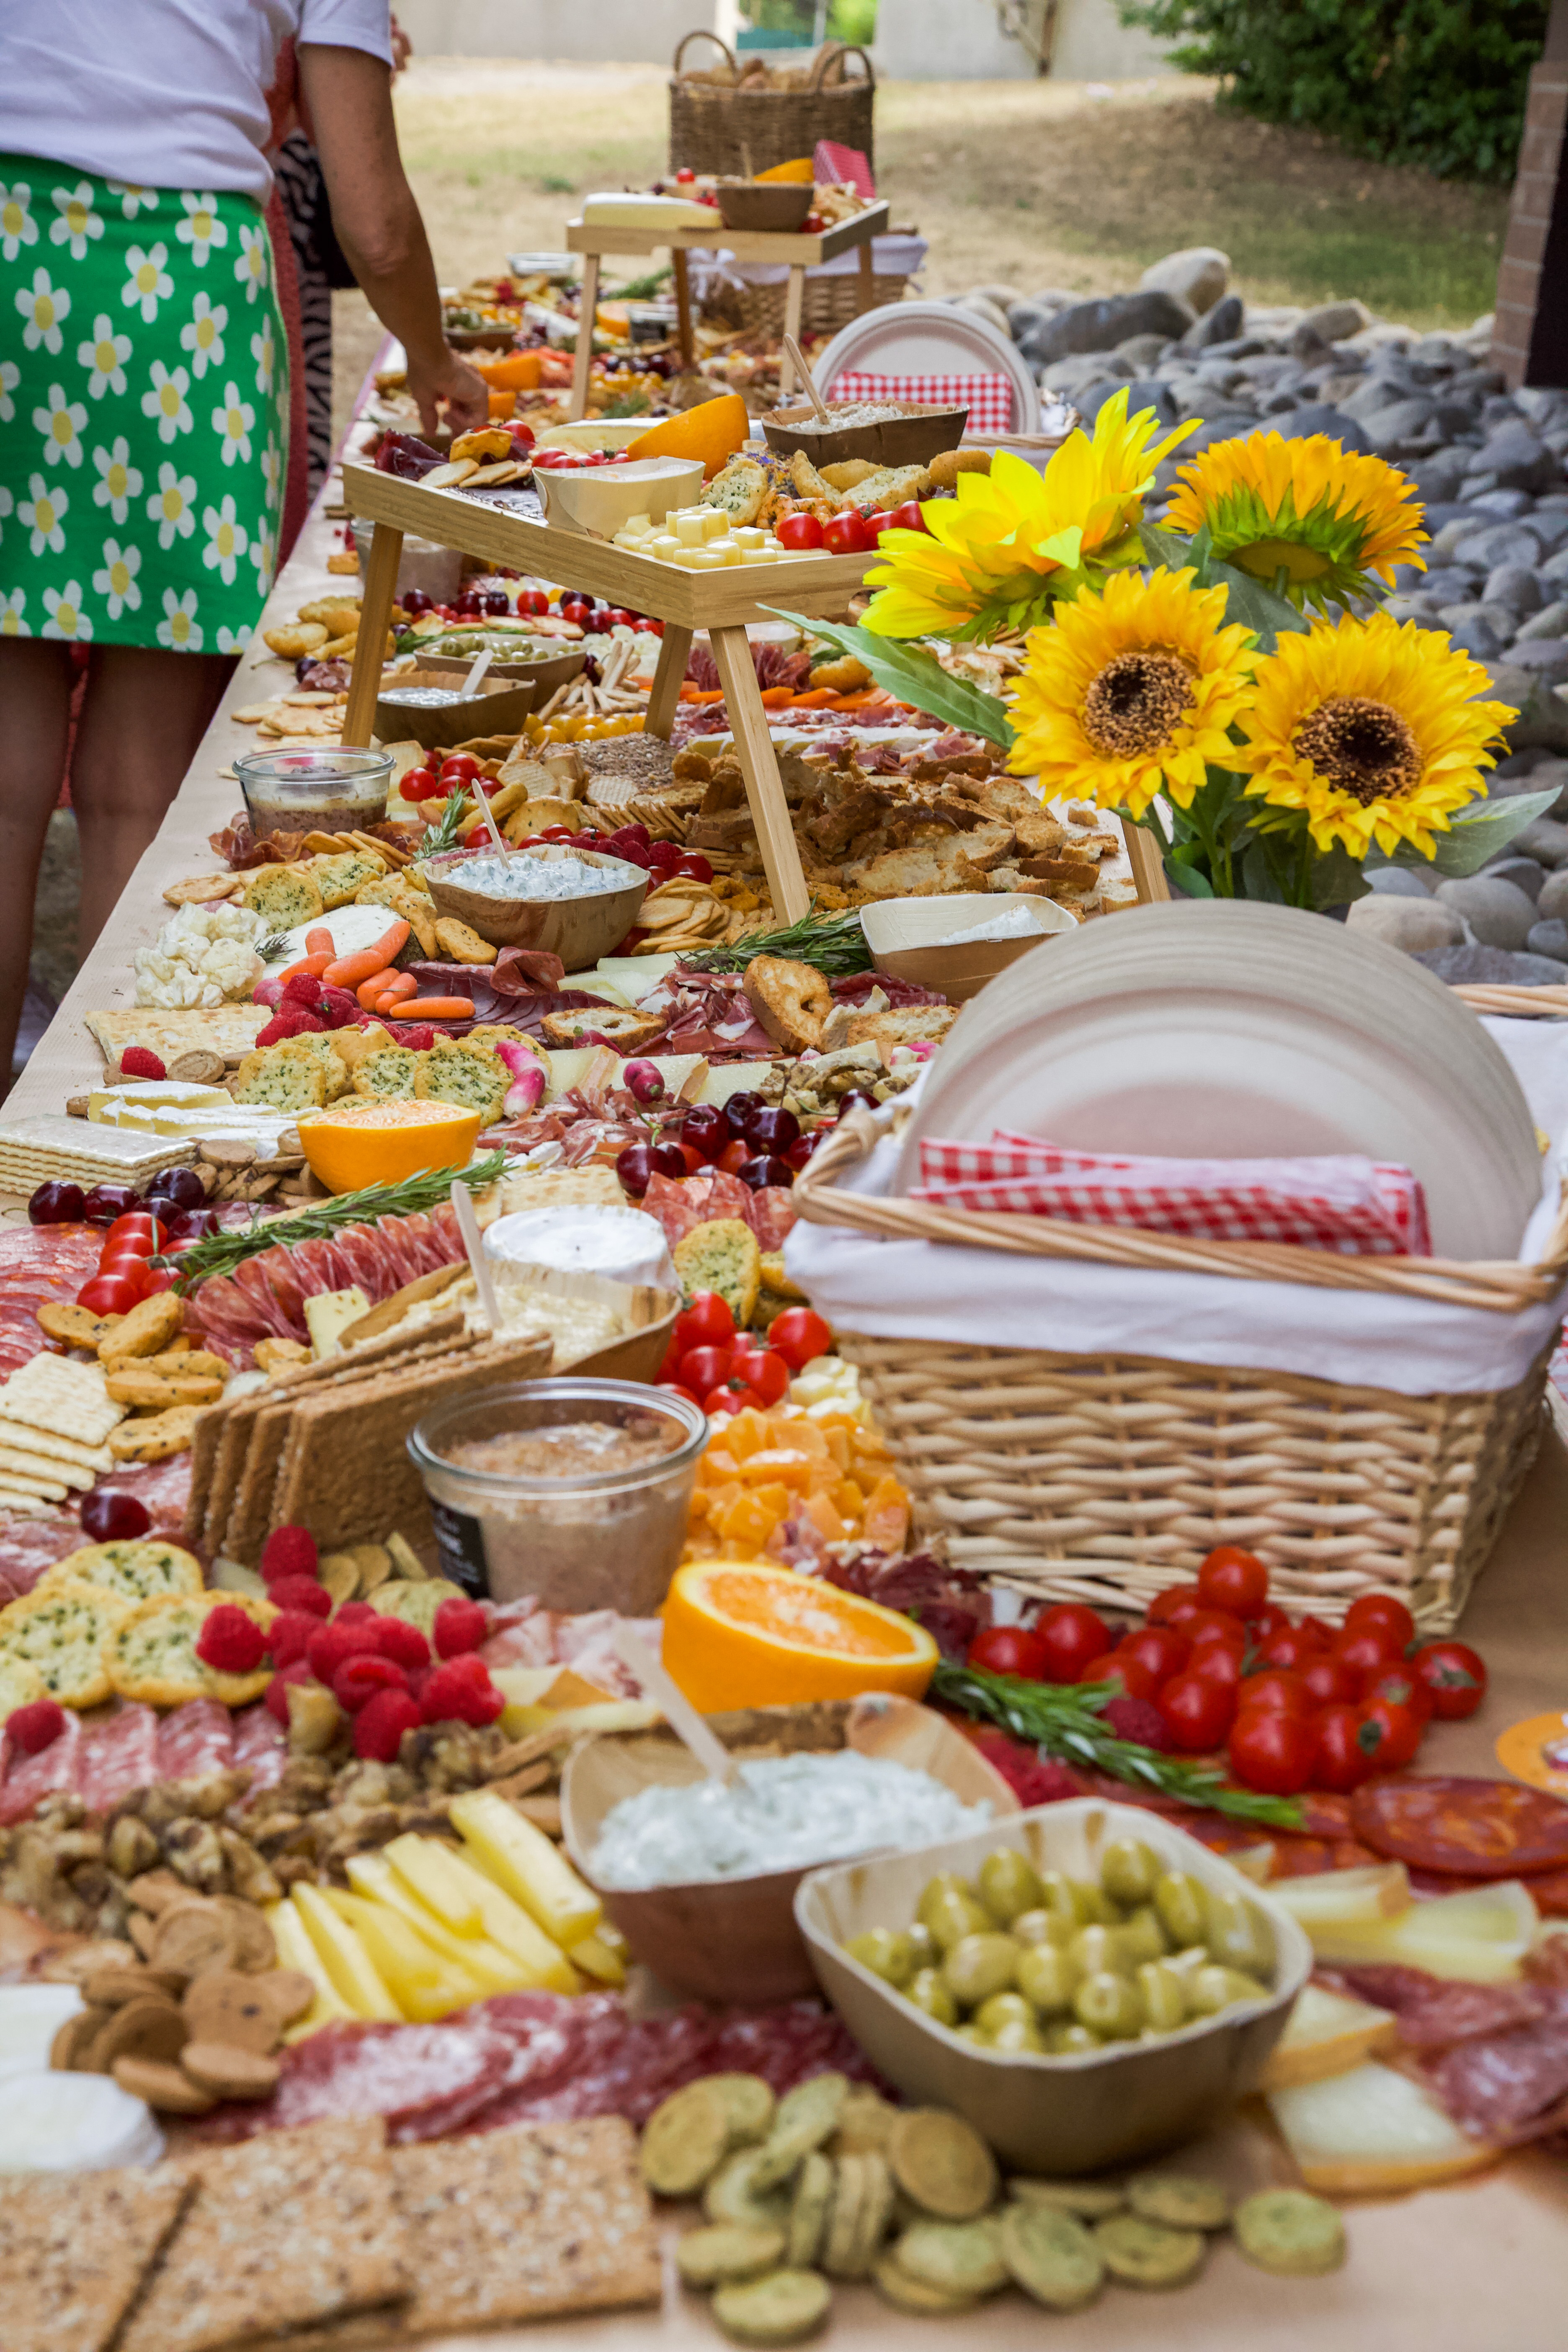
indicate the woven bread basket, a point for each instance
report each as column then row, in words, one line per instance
column 829, row 299
column 735, row 133
column 1104, row 1479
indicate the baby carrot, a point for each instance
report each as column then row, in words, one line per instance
column 320, row 941
column 432, row 1008
column 350, row 970
column 376, row 985
column 399, row 986
column 313, row 965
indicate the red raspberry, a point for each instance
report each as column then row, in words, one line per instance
column 279, row 1030
column 331, row 1646
column 288, row 1635
column 288, row 1551
column 459, row 1626
column 300, row 1592
column 418, row 1036
column 37, row 1726
column 455, row 1694
column 356, row 1612
column 381, row 1723
column 308, row 1023
column 304, row 990
column 276, row 1696
column 138, row 1062
column 360, row 1677
column 401, row 1642
column 338, row 1009
column 231, row 1642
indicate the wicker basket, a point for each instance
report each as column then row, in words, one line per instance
column 1105, row 1479
column 828, row 302
column 739, row 133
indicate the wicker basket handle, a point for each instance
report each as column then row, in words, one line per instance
column 703, row 33
column 833, row 52
column 1500, row 1286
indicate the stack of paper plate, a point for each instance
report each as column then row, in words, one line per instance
column 1234, row 1031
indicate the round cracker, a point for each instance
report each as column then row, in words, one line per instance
column 20, row 1683
column 805, row 2118
column 112, row 1987
column 732, row 2195
column 150, row 1656
column 224, row 2006
column 228, row 2073
column 136, row 1569
column 913, row 2294
column 876, row 2213
column 64, row 1631
column 1091, row 2200
column 684, row 2141
column 1147, row 2253
column 844, row 2217
column 942, row 2163
column 163, row 2086
column 291, row 1992
column 1051, row 2256
column 1290, row 2232
column 1180, row 2200
column 191, row 1937
column 958, row 2257
column 809, row 2213
column 749, row 2102
column 142, row 2028
column 782, row 2307
column 723, row 2252
column 255, row 1949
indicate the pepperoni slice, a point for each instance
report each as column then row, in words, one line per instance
column 1471, row 1829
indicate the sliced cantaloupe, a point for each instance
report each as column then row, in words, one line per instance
column 1328, row 2034
column 712, row 431
column 1373, row 2131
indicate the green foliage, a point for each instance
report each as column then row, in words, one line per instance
column 844, row 20
column 1439, row 83
column 915, row 675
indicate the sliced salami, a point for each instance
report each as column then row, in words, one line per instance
column 260, row 1749
column 163, row 1487
column 427, row 2081
column 119, row 1754
column 1471, row 1829
column 30, row 1778
column 29, row 1545
column 1436, row 2012
column 196, row 1739
column 1508, row 2086
column 769, row 1212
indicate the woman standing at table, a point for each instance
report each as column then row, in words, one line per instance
column 144, row 385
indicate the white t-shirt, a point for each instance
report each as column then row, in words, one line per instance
column 161, row 93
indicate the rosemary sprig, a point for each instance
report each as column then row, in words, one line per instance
column 1066, row 1721
column 221, row 1253
column 444, row 833
column 834, row 945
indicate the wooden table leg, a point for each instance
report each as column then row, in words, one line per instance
column 795, row 303
column 760, row 767
column 663, row 699
column 583, row 360
column 867, row 278
column 683, row 306
column 375, row 618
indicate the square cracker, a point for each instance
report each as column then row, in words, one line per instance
column 230, row 1030
column 61, row 1394
column 73, row 2252
column 287, row 2230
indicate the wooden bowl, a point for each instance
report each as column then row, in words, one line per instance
column 907, row 937
column 736, row 1940
column 578, row 930
column 920, row 433
column 776, row 206
column 544, row 675
column 500, row 707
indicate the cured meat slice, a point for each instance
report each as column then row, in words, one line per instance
column 427, row 2080
column 29, row 1545
column 260, row 1747
column 195, row 1740
column 770, row 1212
column 1435, row 2013
column 38, row 1264
column 118, row 1755
column 1508, row 2086
column 1471, row 1829
column 164, row 1488
column 29, row 1779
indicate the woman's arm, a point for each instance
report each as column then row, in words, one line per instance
column 349, row 94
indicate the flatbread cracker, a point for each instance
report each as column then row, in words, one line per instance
column 230, row 1030
column 74, row 2250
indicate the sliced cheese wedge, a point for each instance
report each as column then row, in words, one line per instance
column 1373, row 2131
column 1482, row 1934
column 1328, row 2034
column 1378, row 1891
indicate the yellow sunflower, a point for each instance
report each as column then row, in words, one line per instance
column 1312, row 519
column 1132, row 693
column 1011, row 538
column 1372, row 729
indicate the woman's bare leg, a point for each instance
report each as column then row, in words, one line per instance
column 145, row 713
column 35, row 680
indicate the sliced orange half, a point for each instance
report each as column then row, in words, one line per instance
column 359, row 1142
column 746, row 1634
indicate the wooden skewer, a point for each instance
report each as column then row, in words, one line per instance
column 797, row 361
column 678, row 1712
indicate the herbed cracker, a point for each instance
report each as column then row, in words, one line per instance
column 73, row 2252
column 150, row 1655
column 65, row 1632
column 135, row 1568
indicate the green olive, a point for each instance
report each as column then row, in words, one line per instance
column 1165, row 1999
column 1039, row 1927
column 1127, row 1871
column 1018, row 2033
column 974, row 2033
column 1077, row 1899
column 951, row 1914
column 1142, row 1937
column 978, row 1966
column 1096, row 1950
column 1187, row 1961
column 1184, row 1913
column 1002, row 2009
column 1048, row 1978
column 885, row 1952
column 1239, row 1934
column 1109, row 2005
column 1009, row 1885
column 927, row 1991
column 1216, row 1988
column 936, row 1890
column 1071, row 2040
column 924, row 1953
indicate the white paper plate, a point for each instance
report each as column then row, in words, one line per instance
column 1234, row 1031
column 929, row 339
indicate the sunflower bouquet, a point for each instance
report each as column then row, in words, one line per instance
column 1229, row 681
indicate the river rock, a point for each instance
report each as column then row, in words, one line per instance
column 1409, row 924
column 1099, row 326
column 1518, row 460
column 1197, row 275
column 1548, row 939
column 1545, row 840
column 1498, row 913
column 1313, row 416
column 1552, row 904
column 1515, row 585
column 1397, row 882
column 1223, row 324
column 1491, row 967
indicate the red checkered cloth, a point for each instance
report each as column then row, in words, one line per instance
column 843, row 167
column 1342, row 1202
column 988, row 398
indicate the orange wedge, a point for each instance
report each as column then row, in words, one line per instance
column 354, row 1144
column 802, row 168
column 746, row 1634
column 712, row 431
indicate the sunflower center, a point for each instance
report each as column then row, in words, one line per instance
column 1135, row 702
column 1363, row 747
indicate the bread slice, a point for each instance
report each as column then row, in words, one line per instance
column 150, row 1655
column 914, row 1025
column 64, row 1631
column 739, row 489
column 317, row 1043
column 791, row 1000
column 723, row 1255
column 387, row 1075
column 283, row 895
column 928, row 870
column 626, row 1030
column 1328, row 2034
column 280, row 1079
column 1373, row 2132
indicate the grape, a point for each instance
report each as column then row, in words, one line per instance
column 56, row 1205
column 109, row 1516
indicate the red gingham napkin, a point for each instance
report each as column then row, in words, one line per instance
column 844, row 167
column 988, row 398
column 1340, row 1202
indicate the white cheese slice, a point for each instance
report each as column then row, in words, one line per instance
column 733, row 1078
column 1328, row 2034
column 633, row 978
column 632, row 208
column 30, row 2017
column 351, row 928
column 329, row 1314
column 156, row 1094
column 74, row 2123
column 1373, row 2132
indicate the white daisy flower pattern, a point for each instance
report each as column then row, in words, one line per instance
column 166, row 403
column 172, row 506
column 264, row 351
column 78, row 226
column 132, row 200
column 116, row 583
column 104, row 357
column 17, row 227
column 10, row 377
column 7, row 507
column 229, row 640
column 11, row 608
column 201, row 229
column 60, row 424
column 177, row 630
column 202, row 336
column 254, row 266
column 228, row 540
column 67, row 618
column 232, row 423
column 263, row 555
column 45, row 307
column 149, row 282
column 42, row 514
column 272, row 473
column 120, row 481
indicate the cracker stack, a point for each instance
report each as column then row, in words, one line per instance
column 47, row 1147
column 56, row 1415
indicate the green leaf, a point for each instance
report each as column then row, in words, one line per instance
column 1188, row 880
column 1247, row 600
column 915, row 675
column 1337, row 879
column 1470, row 841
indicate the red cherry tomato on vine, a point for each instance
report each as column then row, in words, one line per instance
column 1232, row 1580
column 1198, row 1711
column 1272, row 1751
column 1402, row 1688
column 1008, row 1649
column 459, row 768
column 910, row 516
column 706, row 1323
column 1329, row 1682
column 1160, row 1648
column 846, row 535
column 1323, row 1637
column 1115, row 1666
column 134, row 1232
column 1072, row 1635
column 159, row 1278
column 1367, row 1653
column 1340, row 1761
column 673, row 1388
column 1289, row 1649
column 1455, row 1675
column 797, row 532
column 1394, row 1733
column 734, row 1398
column 1381, row 1613
column 876, row 524
column 1215, row 1626
column 764, row 1370
column 419, row 784
column 1172, row 1607
column 702, row 1368
column 1276, row 1692
column 126, row 1266
column 799, row 1336
column 108, row 1294
column 1219, row 1662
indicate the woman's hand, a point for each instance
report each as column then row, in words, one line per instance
column 447, row 378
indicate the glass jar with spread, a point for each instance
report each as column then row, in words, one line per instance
column 329, row 791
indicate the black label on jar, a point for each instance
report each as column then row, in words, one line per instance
column 460, row 1541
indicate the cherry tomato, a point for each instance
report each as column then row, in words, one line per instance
column 693, row 1158
column 735, row 1156
column 1008, row 1649
column 1453, row 1673
column 477, row 837
column 108, row 1294
column 1198, row 1711
column 1176, row 1607
column 1276, row 1692
column 1329, row 1681
column 133, row 1231
column 533, row 602
column 1394, row 1733
column 685, row 177
column 1215, row 1626
column 122, row 1266
column 1367, row 1652
column 707, row 1322
column 846, row 534
column 799, row 1336
column 419, row 784
column 1162, row 1650
column 617, row 617
column 1072, row 1635
column 910, row 516
column 764, row 1369
column 673, row 1388
column 1340, row 1761
column 702, row 1368
column 1289, row 1649
column 1272, row 1751
column 1232, row 1580
column 695, row 867
column 1323, row 1637
column 1381, row 1613
column 1218, row 1660
column 158, row 1278
column 1401, row 1687
column 459, row 768
column 1117, row 1666
column 799, row 530
column 733, row 1398
column 1269, row 1621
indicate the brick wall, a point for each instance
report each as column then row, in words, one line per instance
column 1529, row 339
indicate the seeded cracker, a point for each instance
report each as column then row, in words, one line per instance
column 73, row 2252
column 287, row 2230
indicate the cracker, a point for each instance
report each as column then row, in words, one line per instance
column 63, row 1632
column 1147, row 2253
column 163, row 2084
column 227, row 2071
column 200, row 890
column 956, row 2257
column 843, row 2216
column 1180, row 2199
column 155, row 1435
column 805, row 2118
column 1051, row 2256
column 942, row 2163
column 146, row 1330
column 51, row 1447
column 30, row 1486
column 151, row 2027
column 722, row 2251
column 732, row 2196
column 73, row 2252
column 285, row 2230
column 1091, row 2200
column 782, row 2307
column 135, row 1568
column 233, row 2008
column 226, row 1029
column 21, row 1462
column 809, row 2211
column 684, row 2142
column 59, row 1394
column 1290, row 2232
column 896, row 2285
column 749, row 2102
column 151, row 1655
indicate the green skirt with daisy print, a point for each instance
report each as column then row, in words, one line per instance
column 143, row 412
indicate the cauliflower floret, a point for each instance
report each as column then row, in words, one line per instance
column 204, row 955
column 177, row 987
column 233, row 964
